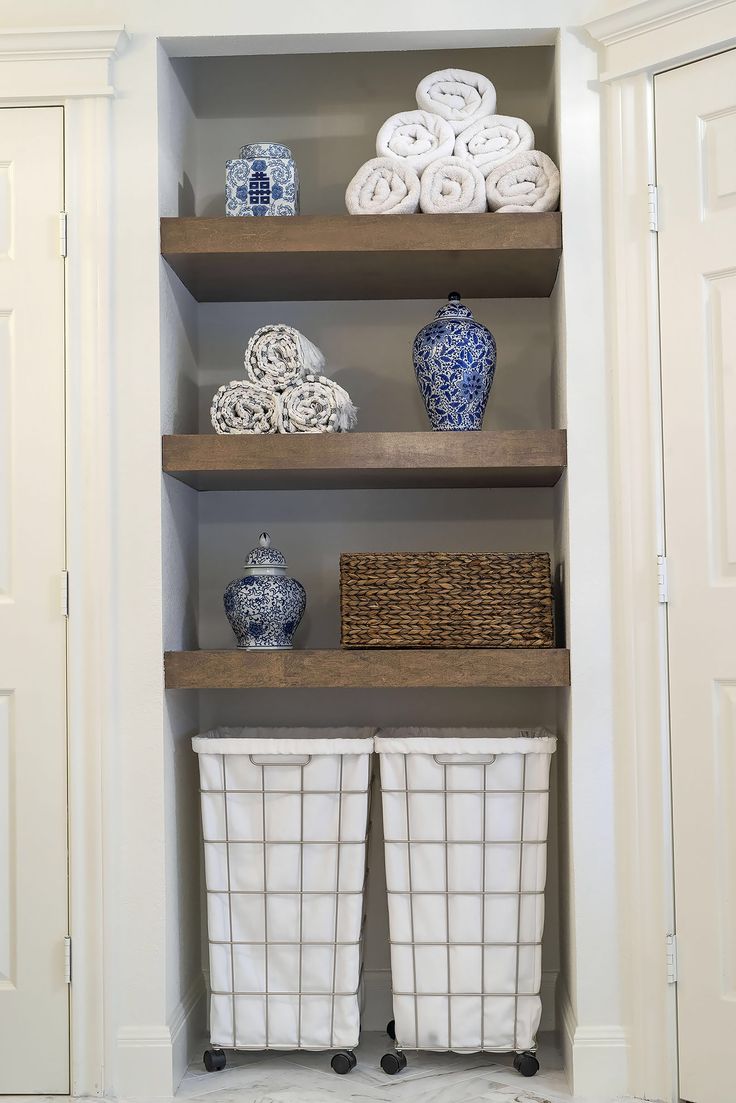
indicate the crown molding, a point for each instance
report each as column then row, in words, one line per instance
column 58, row 63
column 649, row 15
column 655, row 35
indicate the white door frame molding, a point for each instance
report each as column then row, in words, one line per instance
column 71, row 68
column 635, row 45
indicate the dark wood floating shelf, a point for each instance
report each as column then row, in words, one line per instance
column 314, row 257
column 306, row 461
column 541, row 667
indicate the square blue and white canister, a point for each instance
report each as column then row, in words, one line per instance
column 263, row 181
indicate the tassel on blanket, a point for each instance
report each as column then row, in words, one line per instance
column 489, row 142
column 244, row 407
column 317, row 405
column 383, row 185
column 458, row 96
column 452, row 186
column 416, row 138
column 529, row 182
column 280, row 355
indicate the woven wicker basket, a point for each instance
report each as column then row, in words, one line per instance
column 439, row 599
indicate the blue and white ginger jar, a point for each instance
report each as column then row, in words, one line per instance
column 455, row 361
column 262, row 181
column 265, row 606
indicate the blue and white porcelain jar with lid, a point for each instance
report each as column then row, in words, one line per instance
column 262, row 181
column 455, row 361
column 265, row 606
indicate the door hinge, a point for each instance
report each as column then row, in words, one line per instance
column 653, row 208
column 672, row 959
column 663, row 588
column 64, row 593
column 62, row 232
column 68, row 960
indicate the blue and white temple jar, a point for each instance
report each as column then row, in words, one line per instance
column 263, row 181
column 455, row 361
column 264, row 607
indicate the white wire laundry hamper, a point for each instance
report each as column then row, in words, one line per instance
column 465, row 831
column 285, row 818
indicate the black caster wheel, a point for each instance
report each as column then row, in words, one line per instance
column 344, row 1062
column 214, row 1060
column 391, row 1030
column 391, row 1063
column 526, row 1063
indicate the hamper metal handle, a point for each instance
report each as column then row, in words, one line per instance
column 280, row 759
column 465, row 759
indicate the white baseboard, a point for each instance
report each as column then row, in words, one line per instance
column 187, row 1026
column 377, row 1009
column 151, row 1060
column 596, row 1057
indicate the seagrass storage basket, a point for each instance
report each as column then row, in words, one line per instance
column 442, row 599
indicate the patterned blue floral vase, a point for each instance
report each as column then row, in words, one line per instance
column 455, row 361
column 263, row 181
column 265, row 606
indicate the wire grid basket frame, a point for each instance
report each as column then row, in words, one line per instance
column 513, row 1036
column 243, row 999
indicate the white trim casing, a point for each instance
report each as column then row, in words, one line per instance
column 660, row 34
column 636, row 43
column 71, row 68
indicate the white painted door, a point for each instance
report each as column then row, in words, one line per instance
column 696, row 176
column 34, row 997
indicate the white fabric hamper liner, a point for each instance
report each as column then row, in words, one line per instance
column 465, row 826
column 284, row 817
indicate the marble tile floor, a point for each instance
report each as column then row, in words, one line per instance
column 428, row 1078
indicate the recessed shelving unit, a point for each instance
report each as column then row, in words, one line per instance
column 364, row 257
column 317, row 669
column 511, row 458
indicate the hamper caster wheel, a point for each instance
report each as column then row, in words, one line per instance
column 391, row 1030
column 526, row 1063
column 214, row 1060
column 391, row 1063
column 344, row 1062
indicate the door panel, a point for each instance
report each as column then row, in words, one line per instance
column 696, row 176
column 34, row 996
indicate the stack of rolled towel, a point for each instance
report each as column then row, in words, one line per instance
column 454, row 155
column 284, row 390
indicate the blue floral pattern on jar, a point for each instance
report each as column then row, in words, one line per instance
column 455, row 361
column 262, row 181
column 265, row 607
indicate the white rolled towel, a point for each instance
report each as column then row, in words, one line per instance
column 452, row 186
column 491, row 141
column 280, row 355
column 528, row 182
column 317, row 405
column 416, row 138
column 244, row 407
column 458, row 96
column 383, row 185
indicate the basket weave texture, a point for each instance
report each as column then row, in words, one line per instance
column 442, row 599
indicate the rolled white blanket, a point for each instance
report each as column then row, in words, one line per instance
column 317, row 405
column 452, row 186
column 416, row 138
column 489, row 142
column 244, row 407
column 529, row 182
column 280, row 355
column 458, row 96
column 383, row 185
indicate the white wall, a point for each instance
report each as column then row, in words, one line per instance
column 139, row 987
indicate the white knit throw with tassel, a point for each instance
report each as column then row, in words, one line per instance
column 317, row 405
column 244, row 407
column 280, row 355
